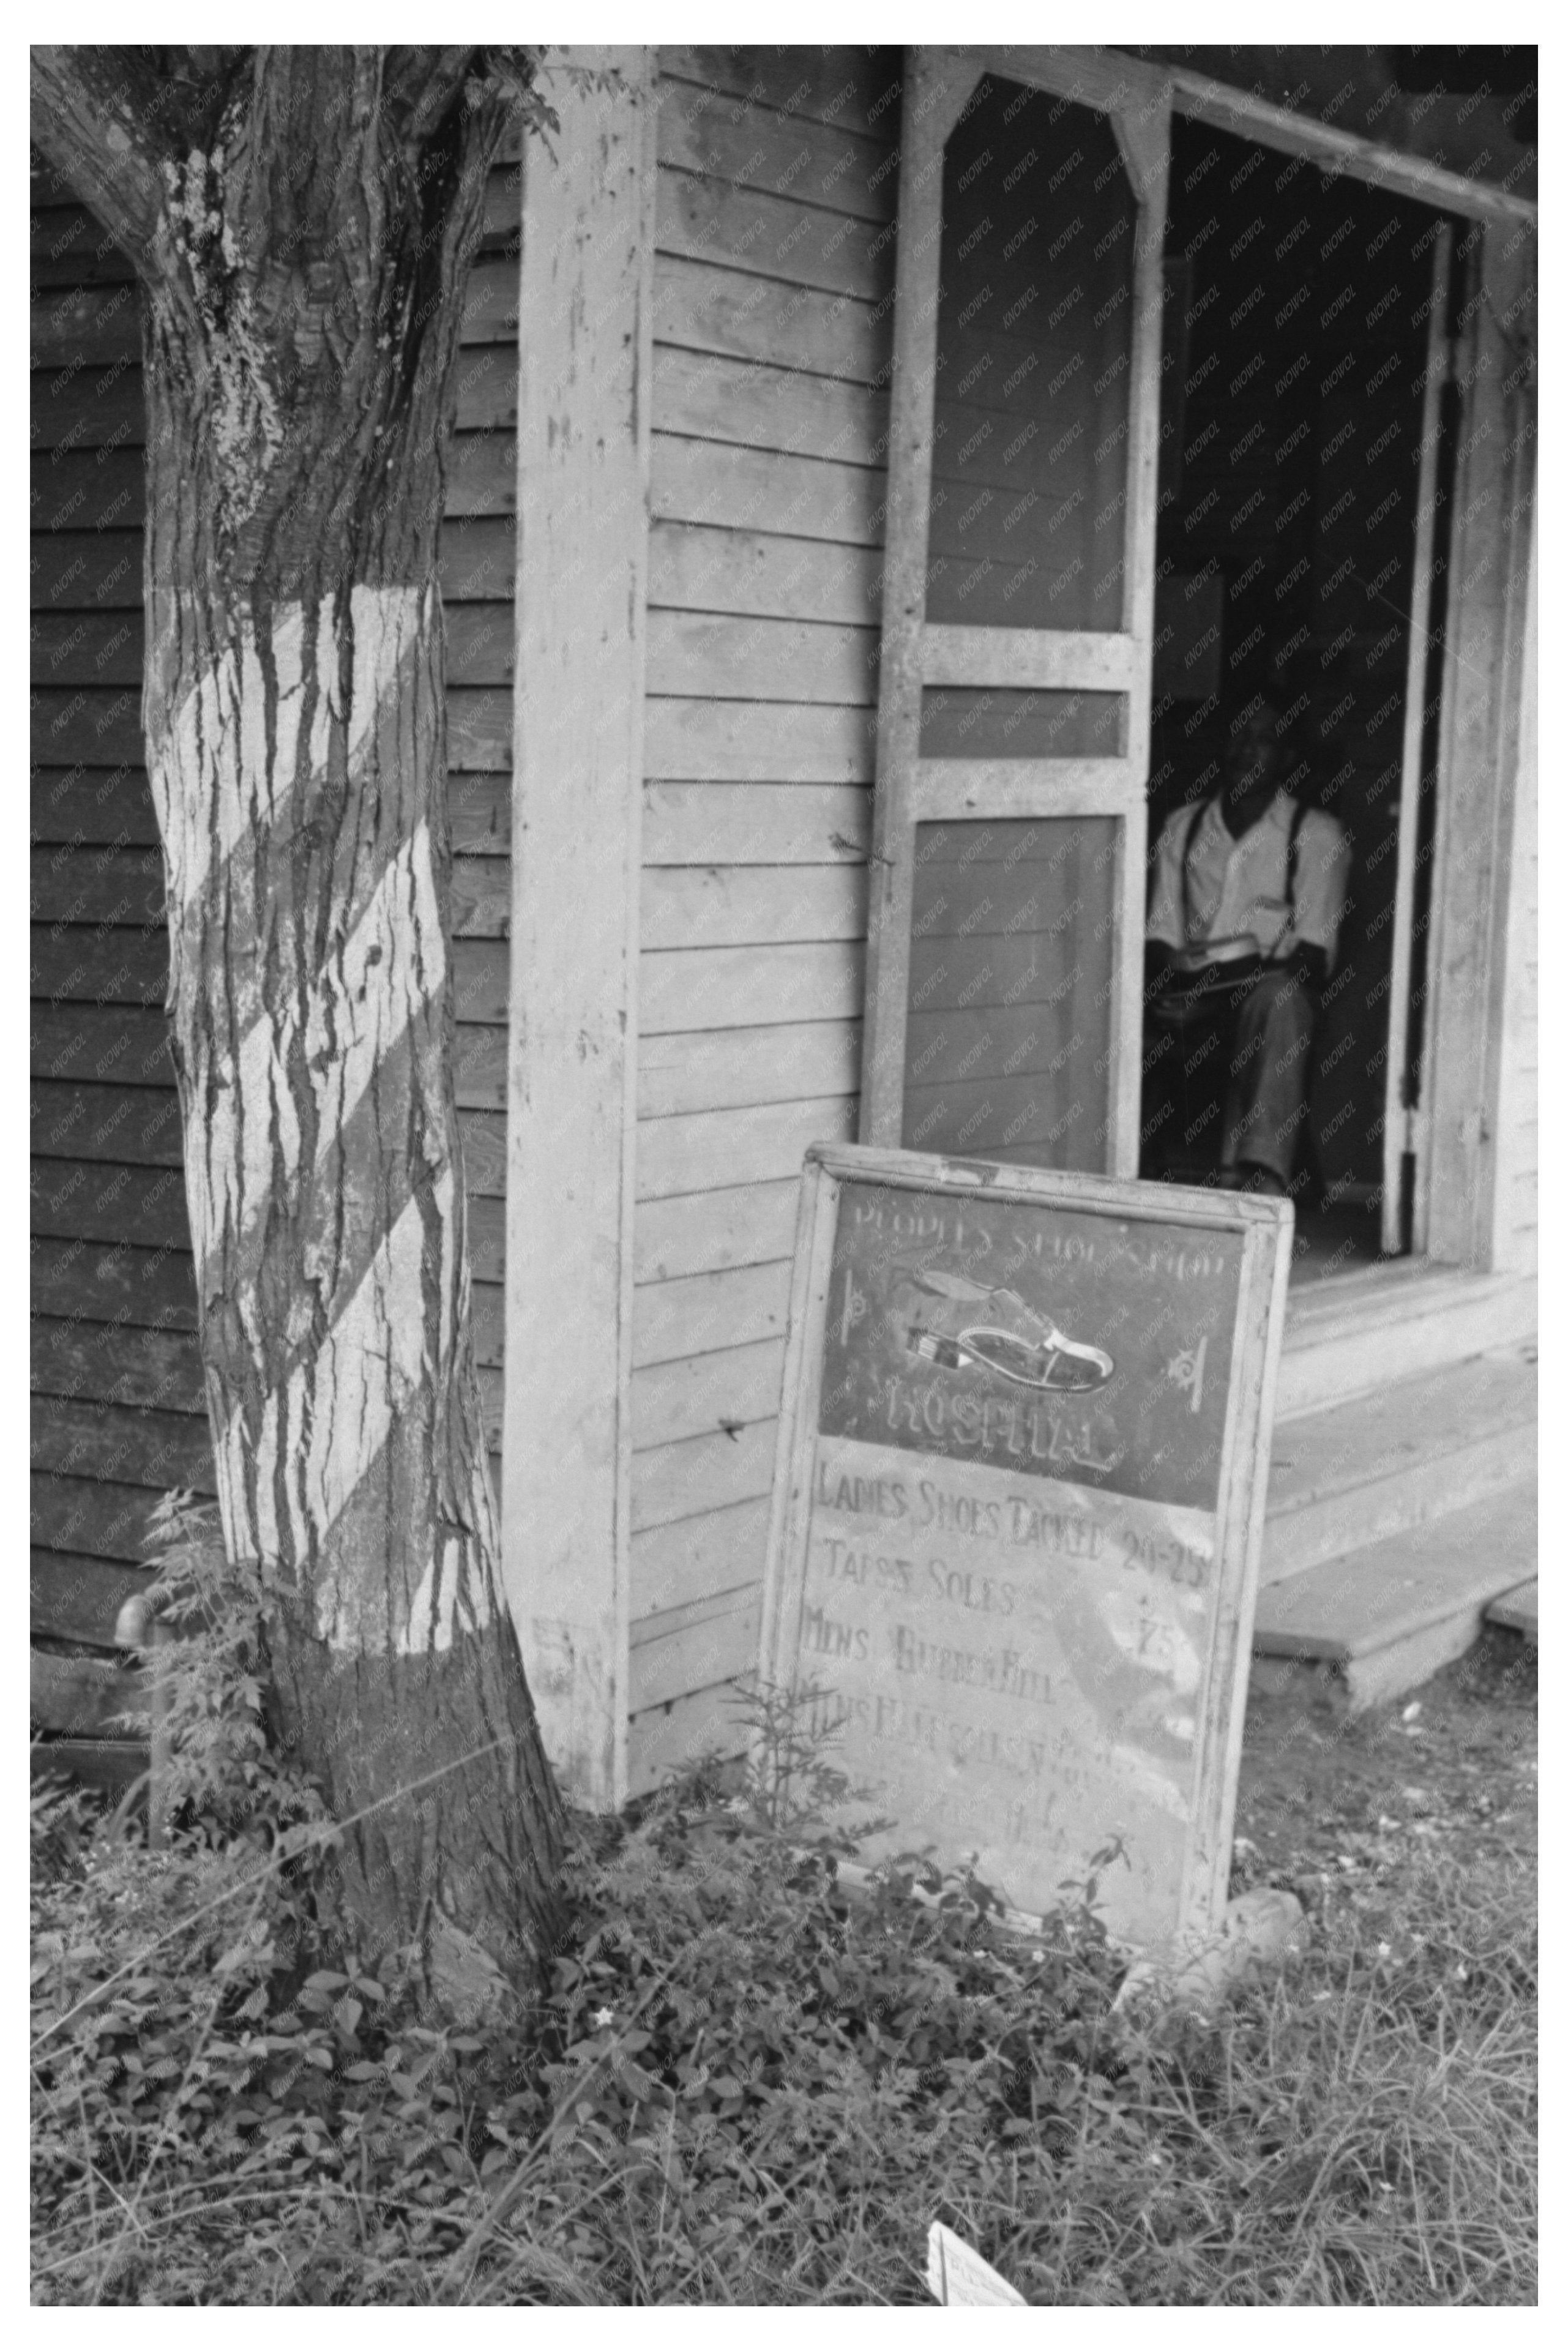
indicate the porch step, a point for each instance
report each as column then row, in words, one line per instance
column 1352, row 1335
column 1518, row 1610
column 1388, row 1615
column 1358, row 1471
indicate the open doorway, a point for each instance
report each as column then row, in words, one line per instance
column 1300, row 442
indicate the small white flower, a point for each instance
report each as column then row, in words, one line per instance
column 1384, row 1950
column 602, row 2017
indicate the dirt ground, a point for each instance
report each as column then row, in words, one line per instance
column 1325, row 1796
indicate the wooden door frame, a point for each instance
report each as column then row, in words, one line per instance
column 1485, row 728
column 1487, row 674
column 583, row 447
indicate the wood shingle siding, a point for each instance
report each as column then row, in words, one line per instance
column 119, row 1409
column 772, row 336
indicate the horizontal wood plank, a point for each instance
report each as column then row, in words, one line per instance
column 700, row 1395
column 762, row 660
column 772, row 236
column 739, row 987
column 692, row 567
column 697, row 307
column 714, row 1150
column 708, row 1314
column 690, row 739
column 136, row 1445
column 701, row 1232
column 663, row 1739
column 112, row 1364
column 694, row 480
column 732, row 905
column 855, row 88
column 726, row 1069
column 85, row 570
column 101, row 1518
column 760, row 824
column 88, row 1696
column 700, row 1474
column 681, row 1564
column 809, row 161
column 752, row 406
column 75, row 1598
column 720, row 1642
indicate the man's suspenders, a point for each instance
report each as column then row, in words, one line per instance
column 1292, row 862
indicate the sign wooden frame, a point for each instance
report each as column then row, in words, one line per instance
column 1252, row 1236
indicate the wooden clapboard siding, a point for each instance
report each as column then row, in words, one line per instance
column 771, row 824
column 713, row 1069
column 701, row 1232
column 118, row 1406
column 771, row 343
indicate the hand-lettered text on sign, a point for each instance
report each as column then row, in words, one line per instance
column 1012, row 1556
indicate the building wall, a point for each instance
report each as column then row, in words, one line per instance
column 772, row 318
column 118, row 1409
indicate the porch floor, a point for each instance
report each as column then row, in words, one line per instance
column 1336, row 1239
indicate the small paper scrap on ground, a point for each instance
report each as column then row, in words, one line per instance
column 957, row 2274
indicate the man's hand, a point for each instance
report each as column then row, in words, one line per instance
column 1308, row 963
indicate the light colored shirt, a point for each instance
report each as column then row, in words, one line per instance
column 1235, row 886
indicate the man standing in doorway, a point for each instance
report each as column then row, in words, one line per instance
column 1248, row 889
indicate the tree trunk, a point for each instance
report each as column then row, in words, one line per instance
column 307, row 265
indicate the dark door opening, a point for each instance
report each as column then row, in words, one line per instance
column 1299, row 326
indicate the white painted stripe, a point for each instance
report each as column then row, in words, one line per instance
column 211, row 780
column 329, row 1425
column 393, row 964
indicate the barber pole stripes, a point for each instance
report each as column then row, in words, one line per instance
column 309, row 985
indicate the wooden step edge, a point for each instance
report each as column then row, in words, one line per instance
column 1502, row 1457
column 1409, row 1288
column 1518, row 1609
column 1378, row 1674
column 1405, row 1617
column 1361, row 1358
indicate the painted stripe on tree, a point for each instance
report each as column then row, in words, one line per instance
column 216, row 780
column 318, row 1458
column 393, row 964
column 312, row 1115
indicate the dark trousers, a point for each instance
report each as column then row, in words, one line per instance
column 1225, row 1078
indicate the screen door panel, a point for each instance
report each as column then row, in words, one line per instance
column 1029, row 462
column 1006, row 1042
column 1016, row 616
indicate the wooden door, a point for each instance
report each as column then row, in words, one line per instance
column 1007, row 906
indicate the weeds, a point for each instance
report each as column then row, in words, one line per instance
column 744, row 2087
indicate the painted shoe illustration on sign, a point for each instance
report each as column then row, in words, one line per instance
column 1043, row 1358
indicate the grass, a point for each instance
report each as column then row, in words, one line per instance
column 746, row 2089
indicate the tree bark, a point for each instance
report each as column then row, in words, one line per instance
column 305, row 224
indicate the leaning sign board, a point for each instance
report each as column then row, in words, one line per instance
column 1017, row 1512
